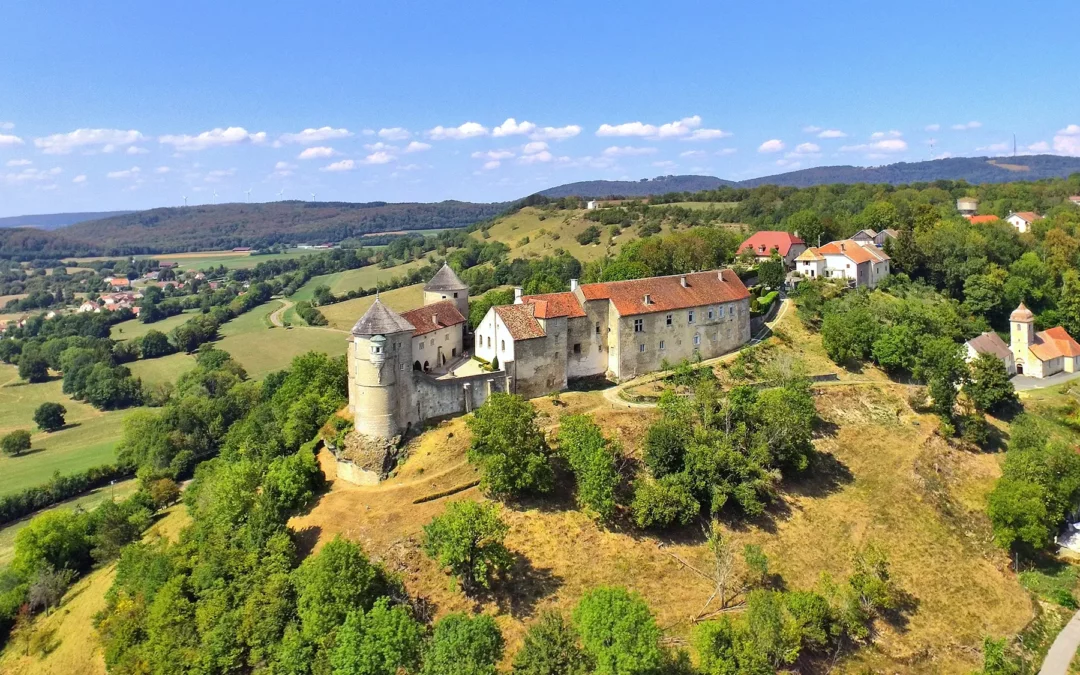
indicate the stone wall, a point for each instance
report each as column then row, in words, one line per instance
column 539, row 365
column 454, row 396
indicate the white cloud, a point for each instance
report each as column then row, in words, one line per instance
column 535, row 157
column 19, row 162
column 81, row 178
column 394, row 134
column 789, row 164
column 627, row 151
column 692, row 153
column 534, row 147
column 707, row 135
column 62, row 144
column 162, row 170
column 318, row 152
column 466, row 130
column 773, row 145
column 343, row 165
column 216, row 175
column 832, row 133
column 493, row 164
column 1067, row 140
column 376, row 147
column 380, row 157
column 665, row 164
column 807, row 148
column 215, row 138
column 511, row 128
column 493, row 154
column 320, row 135
column 886, row 134
column 284, row 166
column 136, row 150
column 811, row 129
column 966, row 126
column 7, row 126
column 9, row 140
column 726, row 151
column 32, row 175
column 676, row 129
column 887, row 145
column 556, row 133
column 133, row 172
column 1039, row 147
column 933, row 127
column 417, row 146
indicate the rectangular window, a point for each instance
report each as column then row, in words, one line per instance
column 577, row 347
column 690, row 316
column 597, row 327
column 697, row 339
column 453, row 351
column 639, row 325
column 455, row 295
column 721, row 310
column 641, row 348
column 502, row 345
column 421, row 346
column 710, row 314
column 669, row 319
column 661, row 345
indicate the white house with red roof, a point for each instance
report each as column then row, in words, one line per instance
column 762, row 244
column 858, row 263
column 1023, row 220
column 1043, row 353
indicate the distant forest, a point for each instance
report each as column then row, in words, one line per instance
column 225, row 226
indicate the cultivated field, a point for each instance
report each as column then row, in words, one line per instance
column 262, row 349
column 133, row 328
column 343, row 315
column 163, row 369
column 204, row 259
column 352, row 280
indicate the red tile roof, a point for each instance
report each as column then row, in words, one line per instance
column 1055, row 342
column 552, row 305
column 668, row 293
column 982, row 219
column 120, row 282
column 432, row 317
column 848, row 248
column 1029, row 216
column 781, row 241
column 520, row 321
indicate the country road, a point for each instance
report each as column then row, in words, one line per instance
column 275, row 316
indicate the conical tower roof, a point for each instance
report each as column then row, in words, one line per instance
column 1022, row 314
column 381, row 320
column 445, row 280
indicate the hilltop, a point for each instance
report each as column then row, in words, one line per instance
column 974, row 170
column 52, row 221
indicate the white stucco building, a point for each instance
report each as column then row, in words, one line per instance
column 859, row 264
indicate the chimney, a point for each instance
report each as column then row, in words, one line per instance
column 517, row 295
column 573, row 285
column 842, row 247
column 682, row 281
column 648, row 299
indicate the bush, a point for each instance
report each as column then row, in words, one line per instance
column 590, row 235
column 463, row 645
column 618, row 632
column 509, row 448
column 15, row 443
column 661, row 503
column 468, row 539
column 49, row 416
column 592, row 458
column 550, row 648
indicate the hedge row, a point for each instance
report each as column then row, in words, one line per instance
column 58, row 489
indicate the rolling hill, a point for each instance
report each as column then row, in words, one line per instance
column 52, row 221
column 971, row 169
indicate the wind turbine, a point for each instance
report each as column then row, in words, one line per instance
column 312, row 196
column 185, row 201
column 248, row 193
column 281, row 193
column 215, row 196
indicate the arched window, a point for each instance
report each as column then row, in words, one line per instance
column 416, row 365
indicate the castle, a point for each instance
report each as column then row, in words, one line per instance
column 410, row 367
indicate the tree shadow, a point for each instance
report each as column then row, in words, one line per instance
column 45, row 642
column 563, row 495
column 31, row 451
column 306, row 539
column 900, row 616
column 824, row 475
column 68, row 425
column 526, row 585
column 587, row 384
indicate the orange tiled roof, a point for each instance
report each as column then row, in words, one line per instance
column 552, row 305
column 763, row 242
column 1055, row 342
column 1029, row 216
column 433, row 317
column 976, row 220
column 848, row 248
column 520, row 321
column 668, row 293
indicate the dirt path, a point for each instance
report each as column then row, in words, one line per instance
column 275, row 316
column 1061, row 652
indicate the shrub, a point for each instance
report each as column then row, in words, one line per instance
column 463, row 645
column 592, row 458
column 663, row 502
column 618, row 632
column 468, row 539
column 550, row 648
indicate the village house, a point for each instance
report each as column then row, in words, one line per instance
column 762, row 244
column 878, row 239
column 119, row 283
column 1075, row 199
column 1023, row 220
column 860, row 264
column 88, row 306
column 881, row 237
column 990, row 343
column 1044, row 353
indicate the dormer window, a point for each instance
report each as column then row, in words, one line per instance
column 648, row 299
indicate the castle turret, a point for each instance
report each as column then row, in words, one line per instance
column 446, row 285
column 380, row 355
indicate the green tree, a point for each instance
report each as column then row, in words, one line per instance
column 1069, row 304
column 941, row 365
column 59, row 539
column 49, row 416
column 337, row 580
column 989, row 387
column 509, row 448
column 771, row 272
column 550, row 648
column 154, row 344
column 33, row 367
column 664, row 502
column 618, row 632
column 665, row 444
column 897, row 348
column 849, row 334
column 592, row 458
column 15, row 443
column 377, row 642
column 463, row 645
column 468, row 539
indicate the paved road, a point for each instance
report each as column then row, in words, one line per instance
column 1061, row 652
column 1025, row 383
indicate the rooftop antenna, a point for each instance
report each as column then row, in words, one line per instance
column 248, row 193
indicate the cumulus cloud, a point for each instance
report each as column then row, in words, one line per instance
column 133, row 172
column 677, row 129
column 81, row 178
column 807, row 148
column 832, row 133
column 417, row 146
column 320, row 135
column 966, row 126
column 136, row 150
column 535, row 155
column 318, row 152
column 466, row 130
column 280, row 166
column 773, row 145
column 493, row 154
column 394, row 134
column 706, row 135
column 886, row 134
column 627, row 151
column 1041, row 146
column 884, row 146
column 726, row 151
column 376, row 147
column 32, row 175
column 7, row 126
column 19, row 162
column 811, row 129
column 343, row 165
column 692, row 153
column 933, row 127
column 215, row 138
column 9, row 140
column 62, row 144
column 556, row 133
column 493, row 164
column 161, row 170
column 511, row 128
column 380, row 157
column 1067, row 140
column 534, row 147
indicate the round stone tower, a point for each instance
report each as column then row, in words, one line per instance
column 446, row 285
column 380, row 358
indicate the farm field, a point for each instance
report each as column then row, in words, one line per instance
column 163, row 369
column 133, row 328
column 342, row 315
column 262, row 349
column 351, row 280
column 204, row 259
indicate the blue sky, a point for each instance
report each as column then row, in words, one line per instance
column 124, row 105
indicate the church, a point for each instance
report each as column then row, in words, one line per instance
column 407, row 368
column 1043, row 353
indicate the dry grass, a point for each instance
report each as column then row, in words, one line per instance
column 342, row 315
